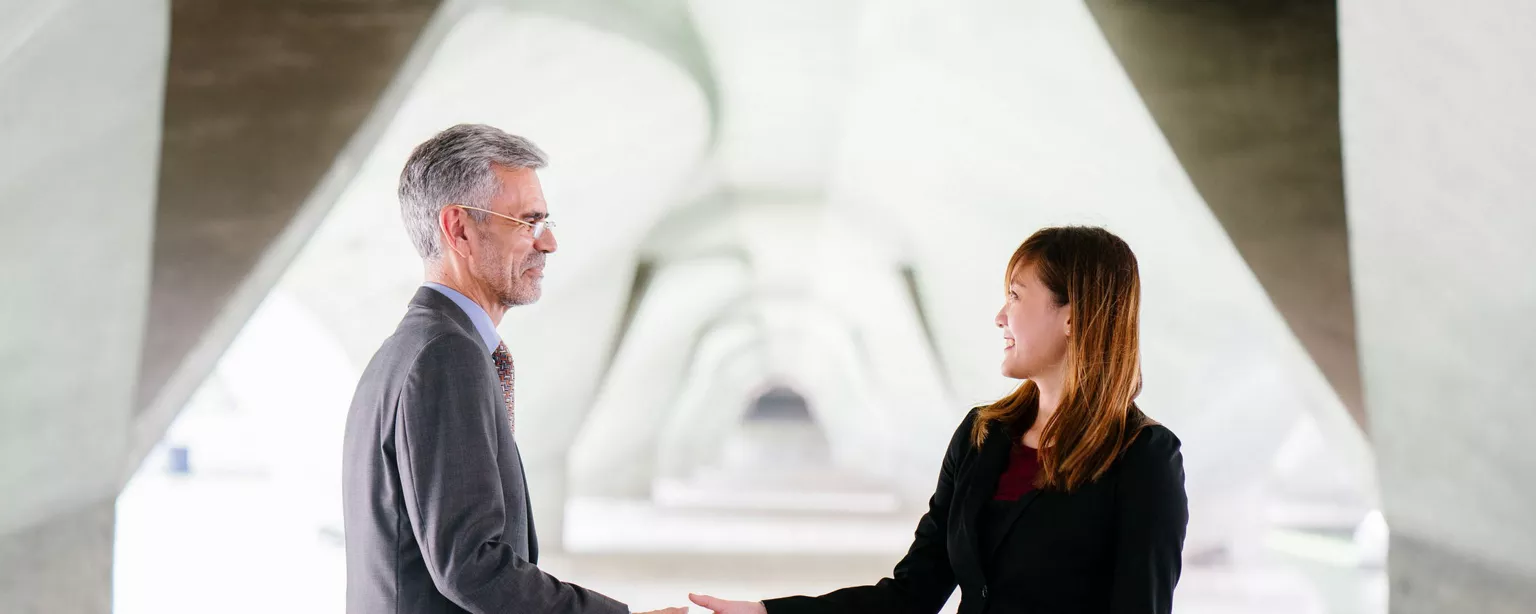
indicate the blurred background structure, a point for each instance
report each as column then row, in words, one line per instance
column 783, row 228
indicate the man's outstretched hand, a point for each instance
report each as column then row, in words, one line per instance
column 721, row 606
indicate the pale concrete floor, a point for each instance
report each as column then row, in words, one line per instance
column 263, row 524
column 185, row 542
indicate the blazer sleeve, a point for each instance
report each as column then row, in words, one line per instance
column 1151, row 515
column 923, row 580
column 447, row 454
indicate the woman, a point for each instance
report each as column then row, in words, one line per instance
column 1062, row 497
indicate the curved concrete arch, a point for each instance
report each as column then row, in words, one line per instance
column 813, row 349
column 665, row 26
column 657, row 365
column 731, row 370
column 711, row 229
column 734, row 371
column 861, row 268
column 780, row 318
column 642, row 379
column 205, row 284
column 252, row 160
column 838, row 349
column 1247, row 95
column 791, row 58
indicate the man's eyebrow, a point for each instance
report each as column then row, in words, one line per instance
column 534, row 216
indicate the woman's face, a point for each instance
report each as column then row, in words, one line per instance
column 1035, row 328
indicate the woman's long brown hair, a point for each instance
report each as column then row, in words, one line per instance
column 1093, row 273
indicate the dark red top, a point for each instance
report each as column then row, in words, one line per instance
column 1019, row 478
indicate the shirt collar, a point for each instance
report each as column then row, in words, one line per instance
column 476, row 313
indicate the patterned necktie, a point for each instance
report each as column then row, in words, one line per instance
column 503, row 360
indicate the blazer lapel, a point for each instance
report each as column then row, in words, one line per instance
column 1014, row 512
column 991, row 460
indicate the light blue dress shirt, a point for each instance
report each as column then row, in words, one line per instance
column 476, row 313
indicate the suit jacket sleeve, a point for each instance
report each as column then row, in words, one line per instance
column 1151, row 515
column 923, row 580
column 446, row 449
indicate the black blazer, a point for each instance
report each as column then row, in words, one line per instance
column 1113, row 546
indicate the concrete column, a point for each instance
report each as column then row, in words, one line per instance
column 61, row 564
column 80, row 104
column 1438, row 135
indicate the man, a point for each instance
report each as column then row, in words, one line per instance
column 434, row 499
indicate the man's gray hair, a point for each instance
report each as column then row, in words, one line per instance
column 454, row 168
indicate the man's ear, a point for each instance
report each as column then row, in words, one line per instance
column 453, row 229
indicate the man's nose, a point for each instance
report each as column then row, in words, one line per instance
column 546, row 242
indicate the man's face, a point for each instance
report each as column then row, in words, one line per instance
column 510, row 261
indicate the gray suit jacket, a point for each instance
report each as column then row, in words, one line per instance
column 433, row 496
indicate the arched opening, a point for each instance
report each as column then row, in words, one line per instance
column 778, row 433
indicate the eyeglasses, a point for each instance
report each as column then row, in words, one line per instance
column 538, row 227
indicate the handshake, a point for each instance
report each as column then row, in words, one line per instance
column 718, row 606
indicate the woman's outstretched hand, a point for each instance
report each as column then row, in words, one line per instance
column 721, row 606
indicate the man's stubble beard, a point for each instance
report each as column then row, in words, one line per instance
column 511, row 289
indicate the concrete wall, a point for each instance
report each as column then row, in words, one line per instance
column 1438, row 133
